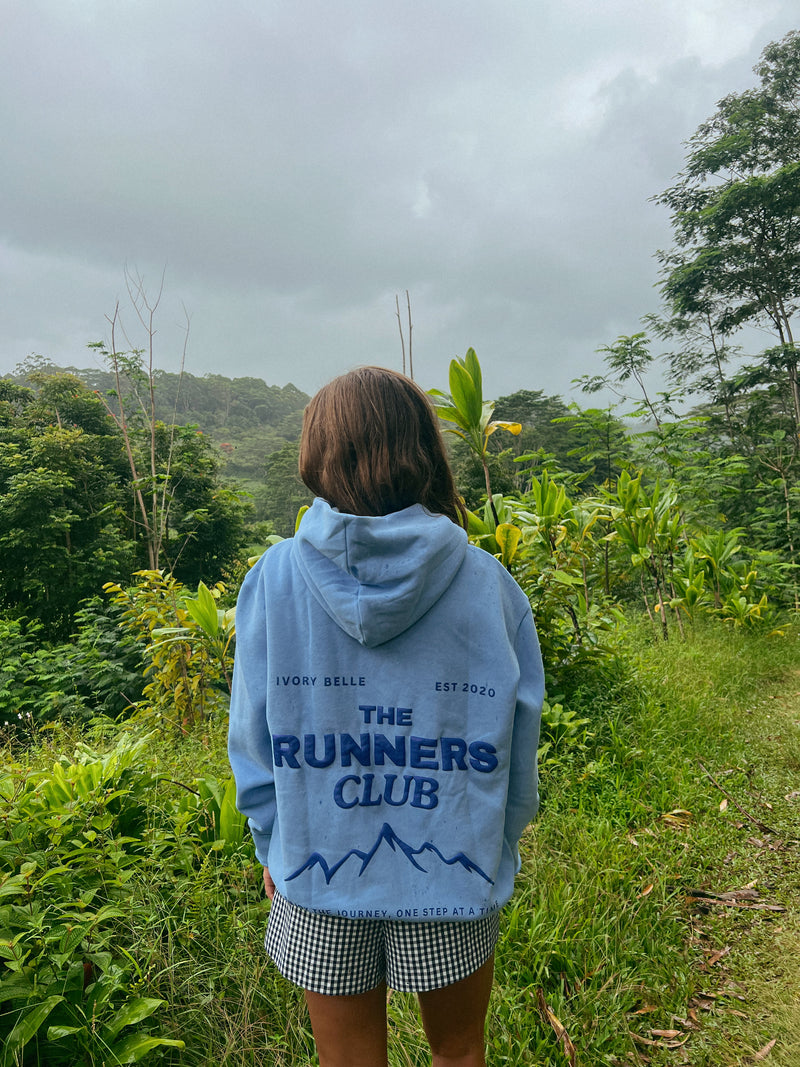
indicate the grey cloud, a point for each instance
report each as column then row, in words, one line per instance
column 296, row 165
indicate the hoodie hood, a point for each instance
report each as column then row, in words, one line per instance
column 376, row 575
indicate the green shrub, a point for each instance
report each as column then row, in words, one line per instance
column 36, row 683
column 83, row 838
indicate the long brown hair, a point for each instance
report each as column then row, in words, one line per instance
column 371, row 445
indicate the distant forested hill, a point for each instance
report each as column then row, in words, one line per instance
column 255, row 430
column 245, row 417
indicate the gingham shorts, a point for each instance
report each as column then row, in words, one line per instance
column 342, row 956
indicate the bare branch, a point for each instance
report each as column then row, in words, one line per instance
column 410, row 360
column 400, row 327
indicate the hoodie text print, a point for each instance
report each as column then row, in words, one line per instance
column 385, row 717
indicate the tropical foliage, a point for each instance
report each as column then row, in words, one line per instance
column 82, row 834
column 657, row 544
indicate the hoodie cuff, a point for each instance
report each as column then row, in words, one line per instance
column 261, row 842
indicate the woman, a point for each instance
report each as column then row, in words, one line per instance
column 383, row 733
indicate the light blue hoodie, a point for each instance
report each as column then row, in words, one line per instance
column 385, row 717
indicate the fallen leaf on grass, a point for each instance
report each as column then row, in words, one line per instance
column 647, row 890
column 691, row 1022
column 702, row 1002
column 649, row 1043
column 716, row 956
column 723, row 804
column 550, row 1017
column 778, row 908
column 718, row 996
column 670, row 1034
column 679, row 817
column 645, row 1041
column 762, row 1052
column 737, row 898
column 730, row 991
column 645, row 1009
column 748, row 893
column 793, row 795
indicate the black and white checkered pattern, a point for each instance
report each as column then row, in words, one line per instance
column 340, row 956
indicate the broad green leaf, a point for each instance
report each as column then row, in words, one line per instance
column 543, row 750
column 210, row 788
column 487, row 542
column 508, row 537
column 70, row 939
column 465, row 396
column 16, row 987
column 8, row 948
column 231, row 822
column 450, row 413
column 203, row 610
column 55, row 1033
column 14, row 886
column 473, row 368
column 567, row 579
column 26, row 1026
column 136, row 1046
column 55, row 873
column 133, row 1012
column 476, row 525
column 108, row 911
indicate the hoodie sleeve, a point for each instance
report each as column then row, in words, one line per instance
column 523, row 795
column 249, row 743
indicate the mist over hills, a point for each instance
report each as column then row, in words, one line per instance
column 247, row 418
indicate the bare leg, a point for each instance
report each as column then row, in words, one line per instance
column 350, row 1031
column 454, row 1018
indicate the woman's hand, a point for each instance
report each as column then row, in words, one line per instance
column 269, row 885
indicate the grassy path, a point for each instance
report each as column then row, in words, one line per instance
column 652, row 919
column 765, row 951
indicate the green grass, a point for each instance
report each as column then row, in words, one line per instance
column 600, row 926
column 601, row 922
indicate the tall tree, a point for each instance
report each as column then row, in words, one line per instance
column 282, row 494
column 736, row 213
column 62, row 491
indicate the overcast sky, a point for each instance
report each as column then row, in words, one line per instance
column 294, row 164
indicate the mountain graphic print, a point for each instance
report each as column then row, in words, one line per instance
column 389, row 837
